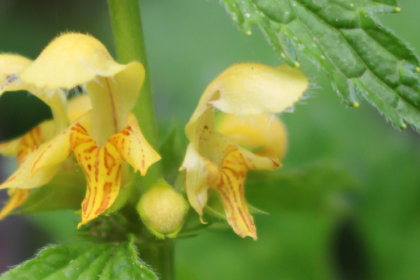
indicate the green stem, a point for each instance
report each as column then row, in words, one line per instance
column 160, row 255
column 129, row 46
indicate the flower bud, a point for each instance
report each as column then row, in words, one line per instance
column 163, row 210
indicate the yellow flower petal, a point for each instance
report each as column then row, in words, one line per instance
column 74, row 59
column 17, row 197
column 60, row 148
column 10, row 65
column 77, row 107
column 31, row 140
column 9, row 148
column 101, row 164
column 102, row 167
column 22, row 178
column 264, row 133
column 230, row 189
column 252, row 89
column 201, row 176
column 25, row 150
column 133, row 147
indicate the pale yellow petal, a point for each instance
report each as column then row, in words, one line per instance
column 133, row 147
column 265, row 134
column 9, row 148
column 201, row 175
column 102, row 168
column 230, row 188
column 22, row 178
column 129, row 82
column 69, row 60
column 10, row 65
column 78, row 106
column 251, row 89
column 60, row 147
column 35, row 137
column 74, row 59
column 17, row 197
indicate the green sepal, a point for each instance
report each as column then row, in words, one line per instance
column 116, row 261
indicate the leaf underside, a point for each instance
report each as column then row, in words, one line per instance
column 112, row 261
column 342, row 37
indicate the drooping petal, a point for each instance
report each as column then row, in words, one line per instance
column 25, row 150
column 230, row 188
column 264, row 135
column 31, row 140
column 60, row 148
column 17, row 197
column 201, row 175
column 133, row 147
column 102, row 167
column 22, row 178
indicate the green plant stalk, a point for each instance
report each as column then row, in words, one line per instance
column 129, row 46
column 160, row 255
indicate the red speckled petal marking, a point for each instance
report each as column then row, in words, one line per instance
column 133, row 147
column 102, row 168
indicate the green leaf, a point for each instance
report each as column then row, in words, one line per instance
column 65, row 191
column 360, row 56
column 116, row 261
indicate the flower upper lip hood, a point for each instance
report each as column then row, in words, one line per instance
column 215, row 158
column 74, row 59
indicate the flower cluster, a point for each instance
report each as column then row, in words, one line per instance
column 234, row 129
column 101, row 139
column 247, row 135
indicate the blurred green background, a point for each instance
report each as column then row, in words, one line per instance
column 346, row 205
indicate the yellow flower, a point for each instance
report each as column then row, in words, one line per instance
column 106, row 135
column 247, row 135
column 20, row 182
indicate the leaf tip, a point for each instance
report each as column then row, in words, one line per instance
column 418, row 69
column 297, row 64
column 355, row 105
column 403, row 126
column 397, row 9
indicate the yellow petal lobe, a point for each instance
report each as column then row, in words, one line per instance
column 230, row 189
column 78, row 106
column 133, row 147
column 9, row 148
column 264, row 134
column 26, row 148
column 17, row 197
column 102, row 167
column 200, row 177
